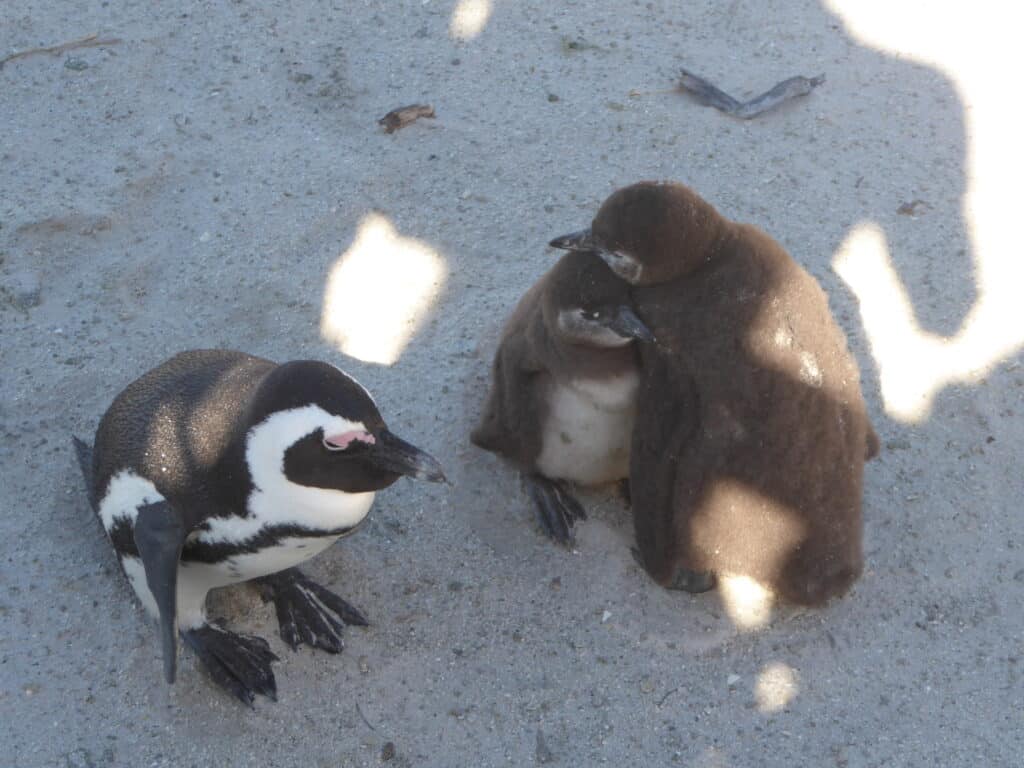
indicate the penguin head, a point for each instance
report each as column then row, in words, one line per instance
column 587, row 304
column 314, row 426
column 650, row 232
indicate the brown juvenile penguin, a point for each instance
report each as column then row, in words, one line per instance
column 751, row 432
column 562, row 400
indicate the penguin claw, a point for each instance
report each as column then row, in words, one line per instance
column 308, row 613
column 238, row 663
column 557, row 509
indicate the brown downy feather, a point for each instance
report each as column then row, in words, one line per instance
column 751, row 433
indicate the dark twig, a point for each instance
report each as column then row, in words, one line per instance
column 89, row 41
column 665, row 697
column 401, row 117
column 710, row 96
column 360, row 711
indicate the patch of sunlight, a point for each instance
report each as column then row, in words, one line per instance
column 469, row 18
column 777, row 685
column 747, row 602
column 379, row 291
column 958, row 45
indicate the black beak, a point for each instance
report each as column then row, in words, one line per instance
column 393, row 454
column 625, row 323
column 577, row 241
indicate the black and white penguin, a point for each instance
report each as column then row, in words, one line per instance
column 218, row 467
column 563, row 394
column 751, row 433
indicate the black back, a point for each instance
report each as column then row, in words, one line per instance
column 179, row 426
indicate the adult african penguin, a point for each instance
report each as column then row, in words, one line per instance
column 563, row 392
column 751, row 432
column 217, row 467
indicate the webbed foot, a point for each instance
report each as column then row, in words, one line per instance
column 238, row 663
column 557, row 509
column 308, row 613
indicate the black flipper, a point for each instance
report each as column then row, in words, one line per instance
column 557, row 509
column 238, row 663
column 84, row 453
column 159, row 535
column 307, row 612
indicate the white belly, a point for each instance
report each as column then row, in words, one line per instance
column 587, row 434
column 128, row 491
column 195, row 579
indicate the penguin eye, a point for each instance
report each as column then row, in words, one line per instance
column 592, row 314
column 348, row 441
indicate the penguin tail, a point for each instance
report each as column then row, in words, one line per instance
column 84, row 453
column 874, row 445
column 484, row 437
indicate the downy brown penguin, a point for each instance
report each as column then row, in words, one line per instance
column 562, row 399
column 218, row 467
column 751, row 433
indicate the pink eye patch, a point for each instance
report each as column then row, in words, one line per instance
column 342, row 441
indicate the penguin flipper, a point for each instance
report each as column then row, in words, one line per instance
column 509, row 425
column 664, row 457
column 307, row 612
column 159, row 536
column 83, row 451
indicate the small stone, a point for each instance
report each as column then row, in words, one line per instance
column 899, row 444
column 205, row 237
column 543, row 753
column 456, row 61
column 387, row 752
column 24, row 289
column 1019, row 575
column 605, row 616
column 731, row 680
column 552, row 98
column 364, row 665
column 647, row 685
column 76, row 65
column 300, row 77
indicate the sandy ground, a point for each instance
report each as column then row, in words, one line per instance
column 196, row 183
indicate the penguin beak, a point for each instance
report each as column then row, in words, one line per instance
column 577, row 241
column 393, row 454
column 627, row 325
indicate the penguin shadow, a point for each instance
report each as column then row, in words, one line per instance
column 886, row 139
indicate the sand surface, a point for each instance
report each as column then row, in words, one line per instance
column 198, row 183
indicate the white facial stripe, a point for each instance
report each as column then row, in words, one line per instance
column 278, row 501
column 126, row 493
column 267, row 442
